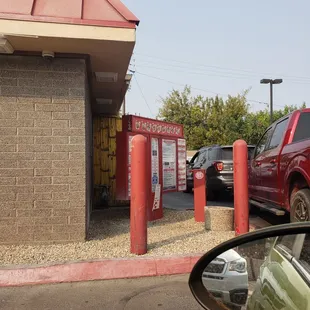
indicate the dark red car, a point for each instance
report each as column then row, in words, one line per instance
column 279, row 173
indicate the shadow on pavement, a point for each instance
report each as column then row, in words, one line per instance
column 174, row 239
column 185, row 201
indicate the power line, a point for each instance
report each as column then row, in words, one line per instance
column 195, row 88
column 222, row 68
column 214, row 73
column 142, row 94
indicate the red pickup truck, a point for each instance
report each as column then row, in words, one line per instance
column 279, row 172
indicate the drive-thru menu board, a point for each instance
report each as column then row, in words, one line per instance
column 165, row 165
column 182, row 164
column 169, row 164
column 154, row 163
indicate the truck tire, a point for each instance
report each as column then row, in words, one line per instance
column 300, row 206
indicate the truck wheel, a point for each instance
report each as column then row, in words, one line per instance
column 300, row 206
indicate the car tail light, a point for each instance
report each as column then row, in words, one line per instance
column 219, row 166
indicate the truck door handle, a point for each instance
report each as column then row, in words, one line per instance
column 257, row 163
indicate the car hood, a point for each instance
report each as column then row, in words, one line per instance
column 229, row 256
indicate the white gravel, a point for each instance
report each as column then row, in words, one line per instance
column 176, row 233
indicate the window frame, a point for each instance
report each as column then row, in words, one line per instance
column 291, row 256
column 273, row 131
column 202, row 153
column 267, row 143
column 301, row 113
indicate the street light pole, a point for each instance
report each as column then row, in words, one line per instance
column 271, row 82
column 271, row 103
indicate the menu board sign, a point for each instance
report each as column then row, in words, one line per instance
column 150, row 126
column 181, row 165
column 169, row 164
column 154, row 163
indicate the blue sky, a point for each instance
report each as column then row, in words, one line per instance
column 220, row 47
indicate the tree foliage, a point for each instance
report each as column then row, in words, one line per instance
column 213, row 120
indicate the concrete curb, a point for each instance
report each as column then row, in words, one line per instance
column 98, row 270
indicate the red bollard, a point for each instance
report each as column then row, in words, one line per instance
column 241, row 191
column 199, row 194
column 138, row 202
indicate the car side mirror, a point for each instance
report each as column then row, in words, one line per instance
column 187, row 162
column 231, row 276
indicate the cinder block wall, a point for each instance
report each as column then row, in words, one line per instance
column 42, row 150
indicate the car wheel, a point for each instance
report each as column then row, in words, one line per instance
column 300, row 206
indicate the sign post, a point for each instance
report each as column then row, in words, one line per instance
column 241, row 190
column 199, row 194
column 139, row 193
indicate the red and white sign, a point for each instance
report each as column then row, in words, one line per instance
column 169, row 164
column 145, row 125
column 181, row 165
column 156, row 203
column 199, row 175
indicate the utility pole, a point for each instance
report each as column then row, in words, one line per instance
column 271, row 82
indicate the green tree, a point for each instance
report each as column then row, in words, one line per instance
column 209, row 121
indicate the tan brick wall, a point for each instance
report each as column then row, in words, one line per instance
column 42, row 150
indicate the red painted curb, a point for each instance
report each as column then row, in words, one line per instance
column 98, row 270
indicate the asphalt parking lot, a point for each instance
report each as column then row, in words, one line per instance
column 185, row 201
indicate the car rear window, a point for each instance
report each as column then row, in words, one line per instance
column 226, row 153
column 302, row 130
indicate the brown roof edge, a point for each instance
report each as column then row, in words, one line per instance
column 124, row 11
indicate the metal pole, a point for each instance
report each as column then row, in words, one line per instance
column 200, row 200
column 241, row 191
column 271, row 102
column 138, row 203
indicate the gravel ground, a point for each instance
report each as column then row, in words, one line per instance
column 176, row 233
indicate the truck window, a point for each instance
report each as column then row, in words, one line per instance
column 302, row 130
column 278, row 134
column 262, row 143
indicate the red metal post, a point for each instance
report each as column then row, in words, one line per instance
column 139, row 192
column 199, row 194
column 241, row 191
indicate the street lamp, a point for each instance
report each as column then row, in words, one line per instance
column 271, row 82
